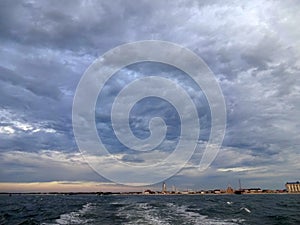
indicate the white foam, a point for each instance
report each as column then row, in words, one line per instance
column 142, row 213
column 198, row 219
column 246, row 209
column 75, row 217
column 145, row 213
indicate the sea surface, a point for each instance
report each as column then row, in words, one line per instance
column 136, row 209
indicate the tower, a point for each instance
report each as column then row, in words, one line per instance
column 164, row 188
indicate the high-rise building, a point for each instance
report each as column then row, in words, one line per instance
column 164, row 188
column 293, row 187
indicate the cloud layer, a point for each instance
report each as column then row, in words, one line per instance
column 253, row 48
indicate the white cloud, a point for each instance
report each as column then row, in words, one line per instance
column 16, row 125
column 7, row 130
column 238, row 169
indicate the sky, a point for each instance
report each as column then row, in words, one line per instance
column 251, row 47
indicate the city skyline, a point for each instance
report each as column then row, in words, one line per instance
column 56, row 187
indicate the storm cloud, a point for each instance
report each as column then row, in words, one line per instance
column 253, row 48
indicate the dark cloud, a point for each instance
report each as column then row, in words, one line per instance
column 37, row 87
column 252, row 47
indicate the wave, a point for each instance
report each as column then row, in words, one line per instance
column 167, row 213
column 141, row 213
column 199, row 219
column 75, row 217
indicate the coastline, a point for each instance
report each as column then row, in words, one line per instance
column 136, row 193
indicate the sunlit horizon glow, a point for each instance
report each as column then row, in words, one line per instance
column 64, row 186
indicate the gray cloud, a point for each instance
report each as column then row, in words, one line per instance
column 252, row 47
column 36, row 87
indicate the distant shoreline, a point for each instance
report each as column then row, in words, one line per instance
column 133, row 193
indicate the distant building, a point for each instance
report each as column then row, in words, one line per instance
column 149, row 192
column 293, row 187
column 253, row 190
column 217, row 191
column 164, row 188
column 229, row 190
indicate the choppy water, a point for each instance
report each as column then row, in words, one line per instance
column 113, row 210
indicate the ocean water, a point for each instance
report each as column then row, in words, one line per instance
column 166, row 209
